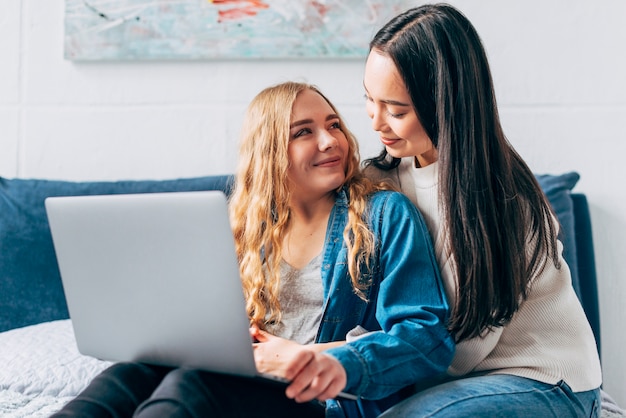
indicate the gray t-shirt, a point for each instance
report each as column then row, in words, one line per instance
column 301, row 301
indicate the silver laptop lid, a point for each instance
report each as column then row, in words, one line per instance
column 153, row 278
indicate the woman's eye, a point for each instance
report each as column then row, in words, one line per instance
column 395, row 115
column 336, row 125
column 302, row 132
column 367, row 98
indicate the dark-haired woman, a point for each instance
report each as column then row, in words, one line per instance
column 524, row 346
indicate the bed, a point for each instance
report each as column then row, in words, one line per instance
column 40, row 366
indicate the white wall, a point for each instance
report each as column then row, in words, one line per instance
column 559, row 68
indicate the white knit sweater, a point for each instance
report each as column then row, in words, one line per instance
column 548, row 338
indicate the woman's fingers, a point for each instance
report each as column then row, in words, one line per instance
column 323, row 377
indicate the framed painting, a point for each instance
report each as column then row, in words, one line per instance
column 209, row 29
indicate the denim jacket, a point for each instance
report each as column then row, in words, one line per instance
column 406, row 309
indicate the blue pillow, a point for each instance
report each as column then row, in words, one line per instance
column 30, row 285
column 558, row 189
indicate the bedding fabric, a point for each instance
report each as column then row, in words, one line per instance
column 41, row 369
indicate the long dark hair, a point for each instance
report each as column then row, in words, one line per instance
column 498, row 221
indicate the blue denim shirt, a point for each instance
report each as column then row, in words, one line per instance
column 406, row 310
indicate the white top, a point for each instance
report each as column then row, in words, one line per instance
column 548, row 339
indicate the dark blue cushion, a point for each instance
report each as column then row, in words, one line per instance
column 558, row 189
column 30, row 286
column 572, row 210
column 31, row 290
column 586, row 264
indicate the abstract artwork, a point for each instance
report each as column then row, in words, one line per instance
column 210, row 29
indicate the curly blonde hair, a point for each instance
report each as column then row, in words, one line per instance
column 259, row 209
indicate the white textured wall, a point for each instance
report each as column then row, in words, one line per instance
column 559, row 68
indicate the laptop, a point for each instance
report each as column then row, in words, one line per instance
column 154, row 278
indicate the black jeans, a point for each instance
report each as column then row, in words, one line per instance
column 146, row 391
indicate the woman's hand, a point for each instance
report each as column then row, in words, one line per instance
column 313, row 375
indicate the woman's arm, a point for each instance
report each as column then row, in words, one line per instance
column 411, row 307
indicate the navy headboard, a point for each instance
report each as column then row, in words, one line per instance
column 587, row 279
column 30, row 284
column 31, row 290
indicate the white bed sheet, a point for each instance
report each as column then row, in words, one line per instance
column 41, row 369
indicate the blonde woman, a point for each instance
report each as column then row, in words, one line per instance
column 341, row 281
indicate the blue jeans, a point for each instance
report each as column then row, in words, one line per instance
column 498, row 396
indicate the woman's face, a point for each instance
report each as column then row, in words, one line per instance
column 391, row 110
column 318, row 148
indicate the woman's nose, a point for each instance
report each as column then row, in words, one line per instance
column 327, row 140
column 377, row 120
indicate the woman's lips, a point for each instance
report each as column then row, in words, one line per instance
column 329, row 162
column 388, row 142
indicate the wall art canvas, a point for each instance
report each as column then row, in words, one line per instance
column 209, row 29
